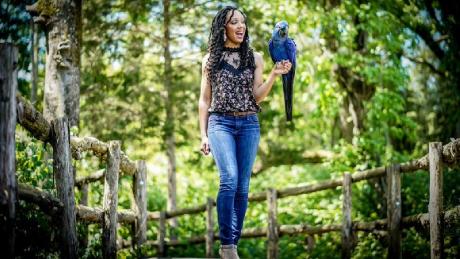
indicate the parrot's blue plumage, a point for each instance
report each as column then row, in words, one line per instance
column 281, row 48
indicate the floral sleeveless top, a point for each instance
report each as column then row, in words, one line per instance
column 232, row 89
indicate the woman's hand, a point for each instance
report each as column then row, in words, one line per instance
column 205, row 146
column 282, row 67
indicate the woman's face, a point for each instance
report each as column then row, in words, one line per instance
column 235, row 27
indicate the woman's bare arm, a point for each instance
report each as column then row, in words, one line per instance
column 203, row 105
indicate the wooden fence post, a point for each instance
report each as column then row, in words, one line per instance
column 162, row 234
column 272, row 231
column 346, row 211
column 435, row 206
column 110, row 203
column 394, row 210
column 140, row 198
column 8, row 184
column 63, row 173
column 84, row 201
column 209, row 227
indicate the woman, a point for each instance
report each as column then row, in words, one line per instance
column 231, row 89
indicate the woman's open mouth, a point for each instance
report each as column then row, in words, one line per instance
column 240, row 35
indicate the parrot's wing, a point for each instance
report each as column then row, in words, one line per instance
column 292, row 53
column 291, row 50
column 271, row 49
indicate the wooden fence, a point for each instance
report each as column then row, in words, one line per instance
column 66, row 147
column 14, row 109
column 391, row 227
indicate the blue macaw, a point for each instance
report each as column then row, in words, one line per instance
column 281, row 48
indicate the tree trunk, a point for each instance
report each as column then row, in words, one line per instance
column 357, row 91
column 351, row 113
column 8, row 183
column 62, row 79
column 169, row 123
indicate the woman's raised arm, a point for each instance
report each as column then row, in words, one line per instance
column 261, row 89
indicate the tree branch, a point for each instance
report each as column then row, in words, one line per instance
column 426, row 63
column 421, row 30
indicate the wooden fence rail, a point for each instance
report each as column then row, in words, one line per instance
column 63, row 207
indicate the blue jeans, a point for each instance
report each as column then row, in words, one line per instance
column 233, row 141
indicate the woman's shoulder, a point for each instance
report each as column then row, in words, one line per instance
column 205, row 57
column 258, row 59
column 204, row 61
column 257, row 54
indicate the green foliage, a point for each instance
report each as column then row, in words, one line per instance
column 36, row 233
column 123, row 97
column 370, row 246
column 94, row 247
column 34, row 163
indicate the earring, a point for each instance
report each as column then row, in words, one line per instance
column 225, row 36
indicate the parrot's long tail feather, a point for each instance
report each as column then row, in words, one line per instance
column 288, row 91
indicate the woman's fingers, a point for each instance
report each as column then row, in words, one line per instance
column 287, row 64
column 279, row 65
column 204, row 152
column 283, row 67
column 205, row 148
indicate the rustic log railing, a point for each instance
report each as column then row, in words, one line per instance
column 448, row 154
column 117, row 163
column 15, row 109
column 66, row 147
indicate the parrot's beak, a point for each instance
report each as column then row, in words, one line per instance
column 283, row 32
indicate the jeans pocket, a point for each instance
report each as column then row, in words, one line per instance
column 213, row 121
column 254, row 119
column 214, row 117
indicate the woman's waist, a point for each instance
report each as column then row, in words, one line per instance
column 234, row 113
column 233, row 116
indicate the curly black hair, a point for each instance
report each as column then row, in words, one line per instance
column 216, row 43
